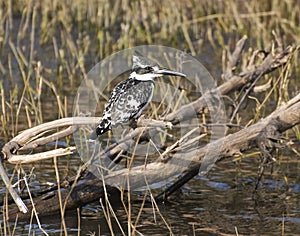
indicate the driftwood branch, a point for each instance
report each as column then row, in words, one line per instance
column 263, row 135
column 259, row 135
column 30, row 138
column 271, row 62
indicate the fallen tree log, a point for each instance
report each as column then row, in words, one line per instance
column 259, row 135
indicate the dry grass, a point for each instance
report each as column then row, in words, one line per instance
column 47, row 46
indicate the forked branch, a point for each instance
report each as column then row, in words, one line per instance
column 90, row 189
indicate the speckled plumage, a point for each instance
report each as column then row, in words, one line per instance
column 128, row 100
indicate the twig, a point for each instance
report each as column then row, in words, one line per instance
column 234, row 58
column 48, row 139
column 21, row 159
column 244, row 97
column 21, row 205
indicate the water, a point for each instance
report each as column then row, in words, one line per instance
column 224, row 202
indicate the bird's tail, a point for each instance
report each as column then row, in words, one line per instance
column 102, row 127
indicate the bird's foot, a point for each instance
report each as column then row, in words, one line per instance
column 133, row 123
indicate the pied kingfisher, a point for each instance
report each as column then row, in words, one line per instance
column 130, row 97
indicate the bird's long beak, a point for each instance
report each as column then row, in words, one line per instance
column 169, row 72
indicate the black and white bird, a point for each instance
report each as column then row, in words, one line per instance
column 130, row 97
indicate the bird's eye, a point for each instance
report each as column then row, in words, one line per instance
column 149, row 68
column 144, row 70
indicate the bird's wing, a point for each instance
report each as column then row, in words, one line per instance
column 107, row 117
column 127, row 101
column 117, row 91
column 130, row 101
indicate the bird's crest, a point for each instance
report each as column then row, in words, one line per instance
column 139, row 61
